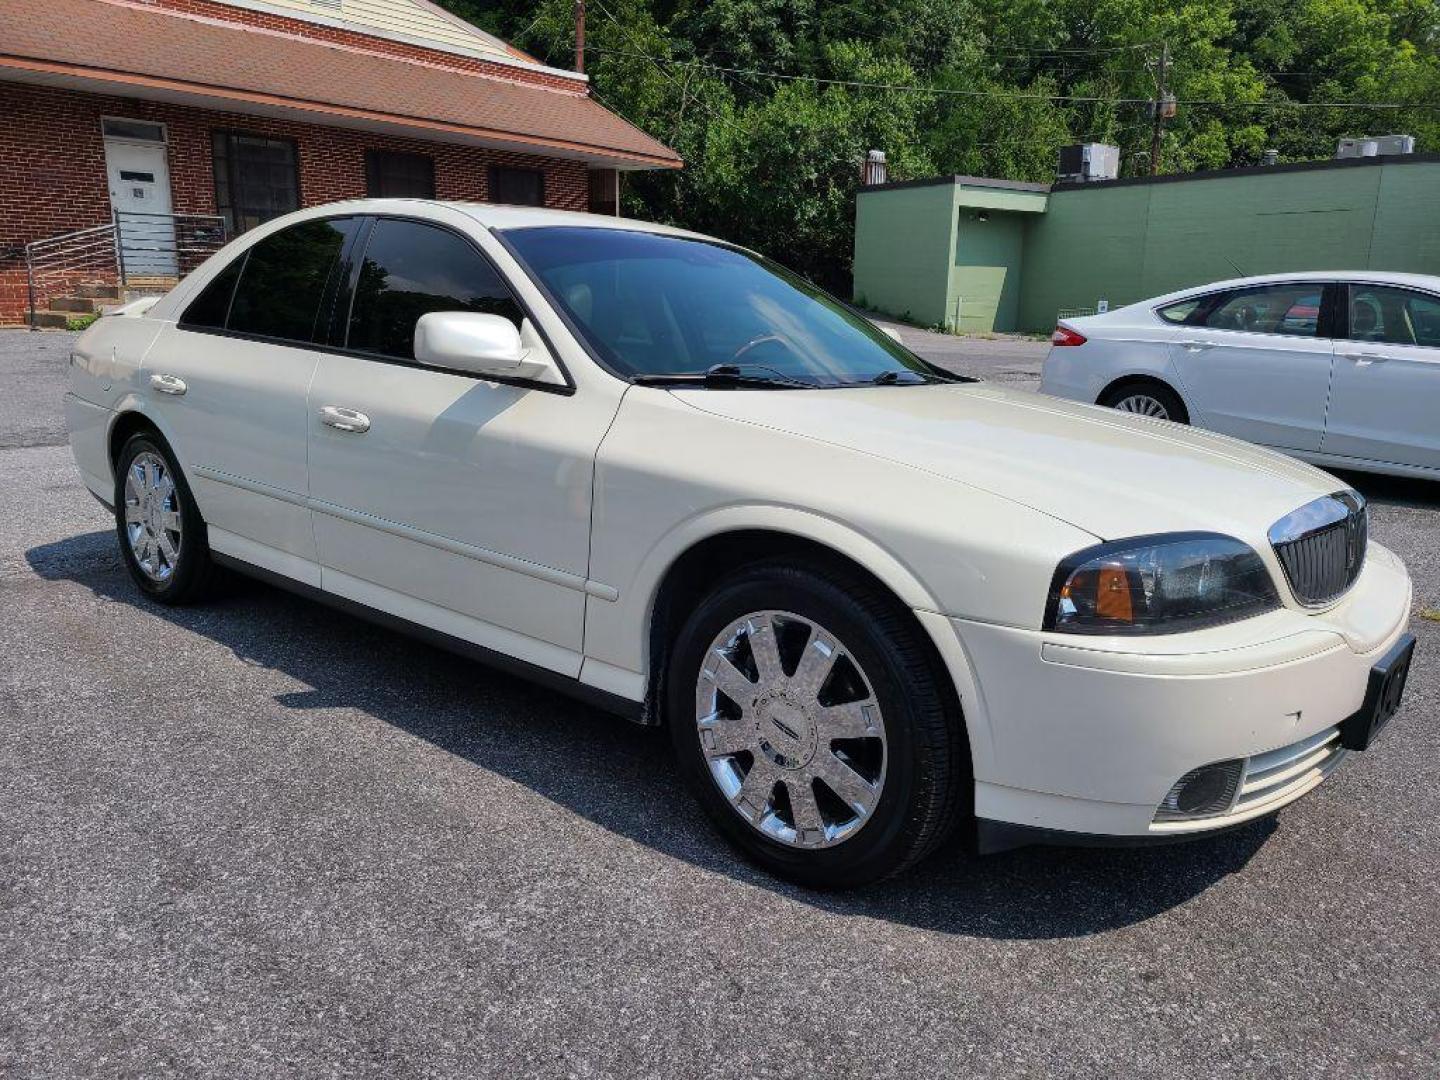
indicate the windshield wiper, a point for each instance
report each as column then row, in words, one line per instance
column 895, row 377
column 722, row 376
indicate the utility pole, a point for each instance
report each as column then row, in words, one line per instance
column 580, row 36
column 1163, row 106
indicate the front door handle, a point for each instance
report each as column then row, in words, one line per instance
column 357, row 423
column 168, row 384
column 1365, row 357
column 1195, row 346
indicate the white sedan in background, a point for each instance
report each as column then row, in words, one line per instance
column 1342, row 369
column 871, row 602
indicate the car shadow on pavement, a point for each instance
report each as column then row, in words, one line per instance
column 620, row 777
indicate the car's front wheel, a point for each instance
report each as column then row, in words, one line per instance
column 815, row 726
column 162, row 536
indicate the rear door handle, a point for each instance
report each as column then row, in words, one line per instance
column 168, row 384
column 357, row 423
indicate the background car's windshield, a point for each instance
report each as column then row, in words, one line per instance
column 650, row 304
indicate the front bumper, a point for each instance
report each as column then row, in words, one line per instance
column 1085, row 736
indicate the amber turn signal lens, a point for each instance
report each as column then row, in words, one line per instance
column 1112, row 595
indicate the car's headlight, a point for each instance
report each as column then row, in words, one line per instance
column 1159, row 585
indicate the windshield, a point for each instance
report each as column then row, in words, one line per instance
column 651, row 305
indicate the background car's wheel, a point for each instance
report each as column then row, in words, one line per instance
column 162, row 536
column 1146, row 399
column 817, row 729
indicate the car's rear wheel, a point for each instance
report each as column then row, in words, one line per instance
column 1147, row 399
column 815, row 727
column 162, row 536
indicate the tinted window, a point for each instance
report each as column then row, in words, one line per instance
column 1180, row 311
column 211, row 307
column 392, row 175
column 652, row 304
column 1270, row 309
column 1396, row 316
column 519, row 187
column 285, row 277
column 410, row 269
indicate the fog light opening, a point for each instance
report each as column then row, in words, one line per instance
column 1203, row 792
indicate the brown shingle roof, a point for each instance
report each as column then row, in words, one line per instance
column 100, row 41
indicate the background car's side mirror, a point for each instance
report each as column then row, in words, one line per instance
column 480, row 344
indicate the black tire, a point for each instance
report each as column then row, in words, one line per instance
column 193, row 573
column 1169, row 400
column 926, row 773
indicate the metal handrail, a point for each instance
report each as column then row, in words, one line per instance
column 168, row 245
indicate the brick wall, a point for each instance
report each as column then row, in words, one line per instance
column 210, row 9
column 54, row 176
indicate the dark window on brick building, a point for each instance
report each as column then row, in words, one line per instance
column 518, row 187
column 256, row 178
column 393, row 175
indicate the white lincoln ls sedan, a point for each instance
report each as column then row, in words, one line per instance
column 1340, row 369
column 870, row 601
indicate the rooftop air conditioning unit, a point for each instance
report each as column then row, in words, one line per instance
column 1375, row 146
column 1084, row 162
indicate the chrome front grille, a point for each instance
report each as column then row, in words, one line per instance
column 1322, row 546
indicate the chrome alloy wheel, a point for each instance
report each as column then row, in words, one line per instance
column 1143, row 404
column 790, row 729
column 152, row 516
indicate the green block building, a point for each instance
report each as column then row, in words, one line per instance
column 974, row 255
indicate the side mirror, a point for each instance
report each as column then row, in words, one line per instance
column 484, row 345
column 469, row 341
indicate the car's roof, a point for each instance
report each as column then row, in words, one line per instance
column 1373, row 277
column 501, row 216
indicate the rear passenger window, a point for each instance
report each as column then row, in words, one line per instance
column 411, row 269
column 1270, row 309
column 209, row 310
column 285, row 278
column 1179, row 311
column 1394, row 316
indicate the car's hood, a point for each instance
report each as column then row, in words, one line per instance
column 1111, row 474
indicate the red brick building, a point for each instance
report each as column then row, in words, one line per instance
column 195, row 117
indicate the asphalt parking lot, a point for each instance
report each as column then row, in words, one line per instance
column 259, row 838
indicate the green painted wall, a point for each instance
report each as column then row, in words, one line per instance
column 903, row 242
column 985, row 272
column 1125, row 242
column 920, row 249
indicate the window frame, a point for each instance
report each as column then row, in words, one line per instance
column 1325, row 324
column 328, row 292
column 1342, row 315
column 229, row 132
column 373, row 158
column 497, row 169
column 345, row 298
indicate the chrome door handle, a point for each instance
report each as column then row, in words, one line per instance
column 357, row 423
column 1195, row 346
column 1365, row 357
column 168, row 384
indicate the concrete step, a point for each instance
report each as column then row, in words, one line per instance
column 99, row 292
column 84, row 304
column 53, row 320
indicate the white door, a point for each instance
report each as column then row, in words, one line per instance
column 1385, row 403
column 1255, row 367
column 227, row 383
column 140, row 195
column 449, row 500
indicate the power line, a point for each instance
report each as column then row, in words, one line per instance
column 1078, row 98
